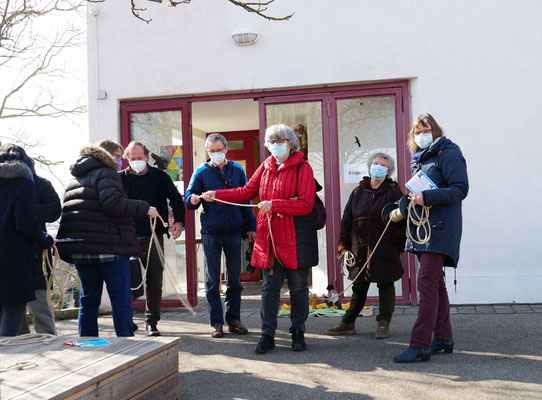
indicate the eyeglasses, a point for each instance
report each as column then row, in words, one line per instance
column 117, row 156
column 273, row 141
column 424, row 131
column 216, row 151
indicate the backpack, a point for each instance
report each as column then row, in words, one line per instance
column 318, row 208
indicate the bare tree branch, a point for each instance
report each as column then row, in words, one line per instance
column 256, row 7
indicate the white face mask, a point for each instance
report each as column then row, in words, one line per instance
column 138, row 165
column 218, row 157
column 423, row 140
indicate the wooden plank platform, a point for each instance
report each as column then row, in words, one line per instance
column 128, row 368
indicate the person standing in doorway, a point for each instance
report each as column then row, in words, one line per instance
column 221, row 227
column 143, row 182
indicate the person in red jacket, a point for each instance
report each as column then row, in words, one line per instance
column 286, row 186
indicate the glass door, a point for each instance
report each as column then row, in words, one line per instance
column 365, row 123
column 308, row 116
column 165, row 132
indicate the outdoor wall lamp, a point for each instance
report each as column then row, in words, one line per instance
column 244, row 36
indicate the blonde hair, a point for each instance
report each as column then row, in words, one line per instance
column 427, row 121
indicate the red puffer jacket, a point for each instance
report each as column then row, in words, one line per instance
column 292, row 221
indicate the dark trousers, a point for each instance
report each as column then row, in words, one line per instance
column 434, row 309
column 299, row 297
column 11, row 319
column 153, row 280
column 213, row 245
column 386, row 301
column 116, row 275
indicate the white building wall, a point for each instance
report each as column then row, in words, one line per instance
column 474, row 65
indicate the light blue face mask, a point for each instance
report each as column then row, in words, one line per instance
column 378, row 171
column 278, row 150
column 423, row 139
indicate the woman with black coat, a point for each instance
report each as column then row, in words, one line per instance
column 442, row 161
column 19, row 234
column 48, row 209
column 98, row 214
column 361, row 227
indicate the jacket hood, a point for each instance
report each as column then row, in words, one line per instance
column 91, row 157
column 12, row 170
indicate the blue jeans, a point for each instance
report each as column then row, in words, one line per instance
column 299, row 297
column 212, row 251
column 116, row 275
column 11, row 319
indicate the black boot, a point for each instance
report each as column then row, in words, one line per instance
column 298, row 340
column 151, row 329
column 265, row 344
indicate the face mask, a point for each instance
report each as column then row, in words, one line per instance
column 378, row 171
column 119, row 161
column 217, row 158
column 423, row 140
column 138, row 165
column 278, row 150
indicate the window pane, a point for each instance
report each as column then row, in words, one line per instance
column 306, row 119
column 366, row 126
column 235, row 144
column 161, row 133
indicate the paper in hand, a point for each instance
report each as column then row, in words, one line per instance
column 420, row 182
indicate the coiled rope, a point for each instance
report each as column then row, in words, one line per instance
column 420, row 220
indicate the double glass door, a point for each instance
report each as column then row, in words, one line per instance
column 338, row 132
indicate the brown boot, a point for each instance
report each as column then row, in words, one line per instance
column 217, row 331
column 342, row 329
column 382, row 330
column 236, row 327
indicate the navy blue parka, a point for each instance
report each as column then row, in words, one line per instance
column 445, row 165
column 19, row 233
column 218, row 218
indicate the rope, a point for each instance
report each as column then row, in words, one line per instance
column 421, row 221
column 161, row 256
column 19, row 366
column 268, row 223
column 28, row 338
column 368, row 259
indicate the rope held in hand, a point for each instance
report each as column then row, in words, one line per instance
column 268, row 222
column 154, row 241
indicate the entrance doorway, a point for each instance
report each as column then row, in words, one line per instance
column 338, row 127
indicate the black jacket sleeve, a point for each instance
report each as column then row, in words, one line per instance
column 113, row 198
column 345, row 242
column 48, row 208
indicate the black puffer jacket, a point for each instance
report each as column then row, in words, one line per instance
column 97, row 210
column 361, row 226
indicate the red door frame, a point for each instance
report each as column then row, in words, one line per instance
column 409, row 294
column 184, row 103
column 126, row 109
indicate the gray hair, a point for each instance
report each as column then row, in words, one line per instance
column 386, row 157
column 282, row 131
column 215, row 137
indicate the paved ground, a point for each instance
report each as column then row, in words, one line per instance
column 498, row 356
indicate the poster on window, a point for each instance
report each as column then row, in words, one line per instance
column 172, row 161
